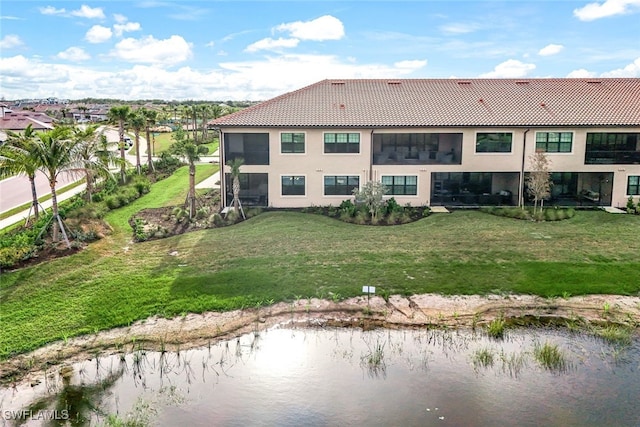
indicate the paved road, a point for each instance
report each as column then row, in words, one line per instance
column 16, row 191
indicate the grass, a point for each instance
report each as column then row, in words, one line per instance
column 280, row 255
column 496, row 328
column 550, row 357
column 163, row 142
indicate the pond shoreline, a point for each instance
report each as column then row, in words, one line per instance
column 427, row 310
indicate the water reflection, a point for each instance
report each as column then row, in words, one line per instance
column 290, row 376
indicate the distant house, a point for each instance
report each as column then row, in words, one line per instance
column 17, row 121
column 453, row 142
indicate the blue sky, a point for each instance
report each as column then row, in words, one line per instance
column 241, row 50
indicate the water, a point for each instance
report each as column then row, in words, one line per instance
column 340, row 377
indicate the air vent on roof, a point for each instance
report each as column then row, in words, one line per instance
column 464, row 82
column 337, row 83
column 522, row 82
column 394, row 82
column 594, row 81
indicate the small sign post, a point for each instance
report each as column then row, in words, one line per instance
column 368, row 290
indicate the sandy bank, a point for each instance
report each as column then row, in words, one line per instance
column 429, row 310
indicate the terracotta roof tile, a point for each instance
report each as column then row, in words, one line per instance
column 449, row 102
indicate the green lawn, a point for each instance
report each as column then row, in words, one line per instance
column 288, row 255
column 164, row 140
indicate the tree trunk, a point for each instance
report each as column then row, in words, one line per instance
column 54, row 207
column 137, row 138
column 149, row 158
column 192, row 190
column 89, row 179
column 123, row 173
column 34, row 197
column 236, row 194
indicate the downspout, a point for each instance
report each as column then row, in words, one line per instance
column 521, row 189
column 371, row 156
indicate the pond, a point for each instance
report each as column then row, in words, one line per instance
column 290, row 376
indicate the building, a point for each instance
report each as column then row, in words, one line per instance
column 452, row 142
column 18, row 121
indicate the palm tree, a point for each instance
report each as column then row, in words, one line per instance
column 94, row 157
column 191, row 152
column 55, row 152
column 235, row 165
column 119, row 115
column 16, row 159
column 137, row 122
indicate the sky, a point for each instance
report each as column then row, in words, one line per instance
column 255, row 50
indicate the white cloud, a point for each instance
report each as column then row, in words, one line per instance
column 127, row 27
column 210, row 44
column 149, row 50
column 120, row 19
column 631, row 70
column 10, row 41
column 550, row 49
column 511, row 68
column 75, row 54
column 411, row 65
column 89, row 12
column 271, row 44
column 50, row 10
column 324, row 28
column 581, row 73
column 98, row 34
column 249, row 80
column 593, row 11
column 459, row 28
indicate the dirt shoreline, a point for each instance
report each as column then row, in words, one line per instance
column 427, row 310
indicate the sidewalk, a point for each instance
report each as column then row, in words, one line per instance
column 20, row 217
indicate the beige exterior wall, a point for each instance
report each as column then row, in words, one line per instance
column 314, row 164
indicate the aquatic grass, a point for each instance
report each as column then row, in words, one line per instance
column 513, row 363
column 496, row 328
column 374, row 359
column 614, row 334
column 483, row 358
column 550, row 357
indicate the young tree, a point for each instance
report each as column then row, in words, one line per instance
column 235, row 165
column 55, row 152
column 119, row 115
column 16, row 159
column 539, row 179
column 94, row 157
column 191, row 153
column 137, row 120
column 371, row 195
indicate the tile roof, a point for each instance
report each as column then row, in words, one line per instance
column 380, row 103
column 19, row 120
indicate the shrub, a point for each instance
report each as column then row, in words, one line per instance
column 347, row 207
column 392, row 206
column 142, row 185
column 112, row 202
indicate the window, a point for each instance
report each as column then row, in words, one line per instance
column 341, row 142
column 493, row 142
column 293, row 185
column 633, row 185
column 401, row 185
column 342, row 185
column 292, row 142
column 554, row 142
column 612, row 148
